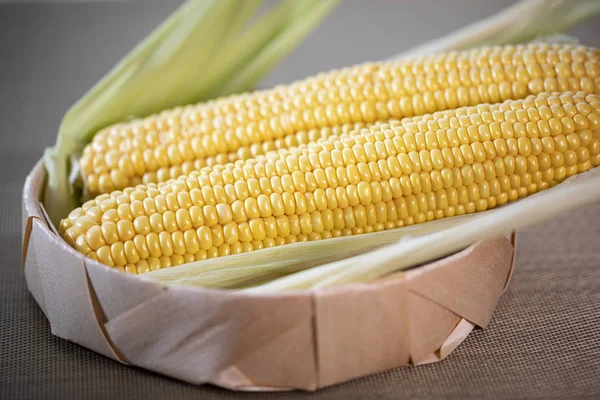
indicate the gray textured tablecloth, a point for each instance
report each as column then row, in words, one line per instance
column 544, row 340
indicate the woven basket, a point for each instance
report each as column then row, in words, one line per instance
column 293, row 340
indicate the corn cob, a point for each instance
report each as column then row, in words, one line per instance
column 185, row 139
column 383, row 177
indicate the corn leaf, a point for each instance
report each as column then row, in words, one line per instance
column 522, row 22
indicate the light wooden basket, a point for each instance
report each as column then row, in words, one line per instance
column 293, row 340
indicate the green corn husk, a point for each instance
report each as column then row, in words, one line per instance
column 205, row 49
column 522, row 22
column 328, row 262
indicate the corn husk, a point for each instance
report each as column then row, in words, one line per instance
column 522, row 22
column 205, row 49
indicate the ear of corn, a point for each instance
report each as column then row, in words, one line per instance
column 383, row 177
column 179, row 141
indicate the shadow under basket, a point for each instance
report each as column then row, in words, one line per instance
column 244, row 341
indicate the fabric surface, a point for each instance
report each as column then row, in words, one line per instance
column 544, row 339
